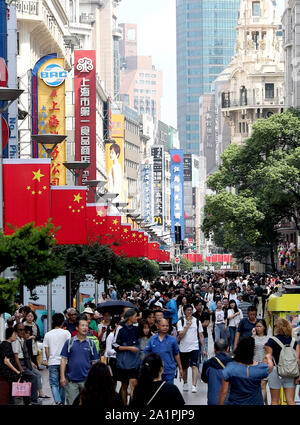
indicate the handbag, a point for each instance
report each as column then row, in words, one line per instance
column 21, row 389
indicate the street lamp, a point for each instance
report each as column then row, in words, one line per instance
column 94, row 184
column 6, row 95
column 48, row 139
column 77, row 168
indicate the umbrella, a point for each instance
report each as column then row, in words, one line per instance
column 114, row 306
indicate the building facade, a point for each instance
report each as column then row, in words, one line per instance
column 140, row 81
column 291, row 47
column 205, row 45
column 257, row 69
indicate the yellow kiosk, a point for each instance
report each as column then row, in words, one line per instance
column 285, row 304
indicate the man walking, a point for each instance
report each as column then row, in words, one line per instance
column 172, row 306
column 53, row 343
column 246, row 325
column 204, row 318
column 166, row 346
column 190, row 331
column 212, row 371
column 77, row 356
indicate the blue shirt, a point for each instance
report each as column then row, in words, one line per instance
column 245, row 383
column 167, row 349
column 79, row 359
column 245, row 327
column 171, row 305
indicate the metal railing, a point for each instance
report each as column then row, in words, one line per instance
column 28, row 6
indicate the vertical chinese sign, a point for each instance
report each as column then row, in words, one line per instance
column 147, row 190
column 157, row 154
column 177, row 191
column 48, row 111
column 85, row 112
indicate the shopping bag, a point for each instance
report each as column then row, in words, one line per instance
column 21, row 389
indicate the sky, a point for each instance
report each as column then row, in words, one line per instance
column 156, row 20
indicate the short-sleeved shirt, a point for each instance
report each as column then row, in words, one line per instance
column 79, row 359
column 245, row 383
column 276, row 348
column 167, row 349
column 54, row 340
column 245, row 327
column 190, row 341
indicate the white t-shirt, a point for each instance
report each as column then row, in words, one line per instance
column 220, row 317
column 55, row 340
column 236, row 320
column 190, row 341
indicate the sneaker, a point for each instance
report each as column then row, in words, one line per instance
column 185, row 387
column 194, row 389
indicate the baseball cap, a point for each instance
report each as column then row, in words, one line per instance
column 88, row 310
column 129, row 313
column 157, row 294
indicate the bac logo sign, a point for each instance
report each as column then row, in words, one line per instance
column 53, row 75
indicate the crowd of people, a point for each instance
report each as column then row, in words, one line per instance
column 156, row 332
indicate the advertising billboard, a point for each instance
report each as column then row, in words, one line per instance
column 85, row 112
column 157, row 154
column 48, row 111
column 177, row 191
column 147, row 190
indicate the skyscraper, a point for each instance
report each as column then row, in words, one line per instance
column 206, row 38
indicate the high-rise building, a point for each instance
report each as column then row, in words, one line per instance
column 205, row 45
column 140, row 81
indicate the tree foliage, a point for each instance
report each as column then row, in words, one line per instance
column 256, row 186
column 29, row 253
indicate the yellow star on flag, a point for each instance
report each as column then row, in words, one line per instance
column 33, row 192
column 100, row 213
column 28, row 188
column 116, row 222
column 133, row 235
column 37, row 175
column 125, row 230
column 77, row 198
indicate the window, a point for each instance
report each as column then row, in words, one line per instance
column 269, row 90
column 256, row 8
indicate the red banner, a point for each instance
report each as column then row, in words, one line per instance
column 96, row 222
column 26, row 192
column 85, row 112
column 68, row 210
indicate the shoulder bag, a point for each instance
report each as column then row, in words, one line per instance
column 156, row 392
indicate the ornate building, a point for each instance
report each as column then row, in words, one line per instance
column 256, row 71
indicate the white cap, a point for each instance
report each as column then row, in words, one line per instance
column 157, row 294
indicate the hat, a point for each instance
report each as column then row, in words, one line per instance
column 129, row 313
column 88, row 310
column 158, row 304
column 157, row 294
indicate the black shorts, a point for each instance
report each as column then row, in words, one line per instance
column 124, row 375
column 189, row 359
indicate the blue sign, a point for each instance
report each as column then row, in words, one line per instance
column 147, row 191
column 53, row 75
column 177, row 191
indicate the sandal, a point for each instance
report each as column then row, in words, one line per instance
column 44, row 396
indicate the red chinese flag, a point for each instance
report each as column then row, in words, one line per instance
column 126, row 241
column 111, row 236
column 141, row 244
column 68, row 210
column 26, row 192
column 153, row 248
column 96, row 222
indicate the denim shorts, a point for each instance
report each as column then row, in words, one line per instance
column 275, row 382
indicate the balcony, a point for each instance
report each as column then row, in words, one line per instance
column 47, row 28
column 229, row 102
column 87, row 18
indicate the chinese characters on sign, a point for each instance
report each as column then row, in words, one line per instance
column 157, row 154
column 147, row 191
column 85, row 111
column 177, row 191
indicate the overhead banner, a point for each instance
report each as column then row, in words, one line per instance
column 157, row 154
column 114, row 159
column 177, row 191
column 85, row 112
column 48, row 111
column 147, row 190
